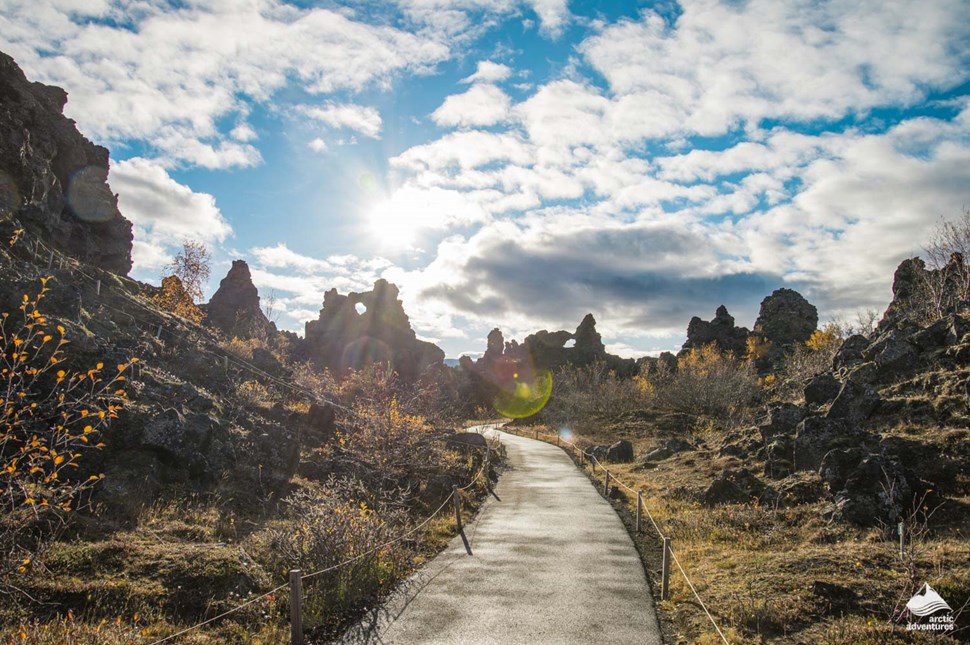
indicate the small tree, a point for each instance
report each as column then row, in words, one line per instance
column 192, row 265
column 947, row 283
column 174, row 298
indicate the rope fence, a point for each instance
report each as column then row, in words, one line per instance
column 666, row 541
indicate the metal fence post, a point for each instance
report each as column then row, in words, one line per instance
column 158, row 334
column 296, row 601
column 665, row 572
column 639, row 509
column 902, row 539
column 50, row 262
column 582, row 457
column 606, row 482
column 97, row 287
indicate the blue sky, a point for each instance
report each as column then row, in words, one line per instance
column 519, row 164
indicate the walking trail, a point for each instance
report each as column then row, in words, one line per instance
column 552, row 563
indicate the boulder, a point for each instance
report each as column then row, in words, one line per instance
column 468, row 441
column 854, row 403
column 741, row 444
column 781, row 419
column 320, row 423
column 799, row 488
column 877, row 491
column 266, row 361
column 896, row 358
column 670, row 448
column 822, row 389
column 733, row 487
column 936, row 335
column 816, row 436
column 837, row 466
column 53, row 179
column 850, row 353
column 194, row 440
column 620, row 452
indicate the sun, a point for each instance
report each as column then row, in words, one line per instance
column 399, row 221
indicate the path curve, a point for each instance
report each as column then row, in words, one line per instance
column 552, row 563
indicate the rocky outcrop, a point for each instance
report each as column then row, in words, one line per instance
column 344, row 338
column 786, row 318
column 720, row 330
column 234, row 307
column 54, row 180
column 921, row 294
column 545, row 350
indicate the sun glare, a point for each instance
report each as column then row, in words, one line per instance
column 398, row 221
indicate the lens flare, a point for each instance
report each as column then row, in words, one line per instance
column 526, row 394
column 366, row 351
column 89, row 196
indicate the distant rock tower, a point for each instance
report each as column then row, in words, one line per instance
column 234, row 307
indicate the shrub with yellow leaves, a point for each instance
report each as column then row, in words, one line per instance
column 51, row 415
column 176, row 299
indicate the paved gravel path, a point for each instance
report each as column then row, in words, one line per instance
column 552, row 563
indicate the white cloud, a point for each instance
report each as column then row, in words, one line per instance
column 318, row 145
column 553, row 15
column 166, row 209
column 807, row 62
column 489, row 72
column 167, row 78
column 359, row 118
column 482, row 105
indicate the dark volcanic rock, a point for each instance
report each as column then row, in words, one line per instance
column 620, row 452
column 838, row 465
column 467, row 440
column 194, row 440
column 878, row 490
column 344, row 338
column 855, row 402
column 669, row 449
column 321, row 423
column 720, row 331
column 234, row 307
column 850, row 353
column 822, row 389
column 786, row 318
column 734, row 487
column 816, row 436
column 53, row 179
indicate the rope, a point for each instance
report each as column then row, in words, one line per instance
column 696, row 595
column 412, row 531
